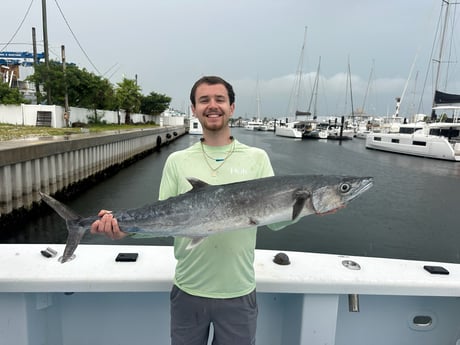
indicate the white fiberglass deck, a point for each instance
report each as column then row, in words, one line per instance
column 95, row 300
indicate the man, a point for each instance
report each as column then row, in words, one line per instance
column 214, row 282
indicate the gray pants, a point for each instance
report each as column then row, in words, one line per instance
column 234, row 319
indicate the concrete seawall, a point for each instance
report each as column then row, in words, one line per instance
column 54, row 163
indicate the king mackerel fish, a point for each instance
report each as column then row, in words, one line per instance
column 209, row 209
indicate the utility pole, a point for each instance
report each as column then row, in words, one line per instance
column 66, row 96
column 34, row 45
column 45, row 43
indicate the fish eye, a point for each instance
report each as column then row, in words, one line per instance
column 345, row 187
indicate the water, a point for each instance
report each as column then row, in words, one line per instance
column 410, row 213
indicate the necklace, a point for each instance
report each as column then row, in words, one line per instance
column 221, row 160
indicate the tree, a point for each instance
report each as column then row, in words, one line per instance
column 10, row 95
column 154, row 103
column 128, row 95
column 87, row 90
column 84, row 89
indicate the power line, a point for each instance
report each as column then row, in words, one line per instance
column 68, row 26
column 75, row 37
column 19, row 28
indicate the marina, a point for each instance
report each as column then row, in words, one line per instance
column 380, row 269
column 408, row 214
column 358, row 269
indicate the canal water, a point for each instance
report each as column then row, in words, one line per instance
column 412, row 212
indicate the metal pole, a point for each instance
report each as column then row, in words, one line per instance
column 45, row 43
column 353, row 303
column 66, row 96
column 34, row 45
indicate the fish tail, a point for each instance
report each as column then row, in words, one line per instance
column 72, row 219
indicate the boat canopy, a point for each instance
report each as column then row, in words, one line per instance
column 446, row 98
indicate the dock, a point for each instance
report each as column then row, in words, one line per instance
column 56, row 163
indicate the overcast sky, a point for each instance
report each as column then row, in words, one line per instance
column 254, row 44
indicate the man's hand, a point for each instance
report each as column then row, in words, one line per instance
column 107, row 225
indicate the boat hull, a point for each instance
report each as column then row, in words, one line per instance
column 195, row 127
column 291, row 130
column 428, row 146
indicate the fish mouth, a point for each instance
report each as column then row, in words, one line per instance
column 365, row 184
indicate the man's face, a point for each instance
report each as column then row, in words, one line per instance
column 212, row 106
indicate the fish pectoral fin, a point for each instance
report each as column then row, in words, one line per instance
column 300, row 200
column 194, row 242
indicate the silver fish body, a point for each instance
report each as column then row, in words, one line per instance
column 209, row 209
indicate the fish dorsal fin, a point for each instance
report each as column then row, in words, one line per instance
column 196, row 183
column 300, row 198
column 195, row 242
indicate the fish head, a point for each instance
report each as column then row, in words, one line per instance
column 336, row 193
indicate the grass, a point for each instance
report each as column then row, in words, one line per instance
column 11, row 132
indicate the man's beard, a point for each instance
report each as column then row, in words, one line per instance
column 217, row 126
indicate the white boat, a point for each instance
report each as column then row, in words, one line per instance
column 326, row 130
column 270, row 126
column 316, row 131
column 195, row 126
column 438, row 140
column 256, row 125
column 262, row 128
column 362, row 133
column 295, row 128
column 290, row 130
column 363, row 129
column 334, row 132
column 316, row 299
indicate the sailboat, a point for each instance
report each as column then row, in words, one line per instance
column 294, row 129
column 438, row 139
column 363, row 123
column 256, row 124
column 312, row 129
column 336, row 130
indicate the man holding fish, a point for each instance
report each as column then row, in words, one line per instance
column 214, row 280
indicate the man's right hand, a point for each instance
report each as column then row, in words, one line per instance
column 107, row 225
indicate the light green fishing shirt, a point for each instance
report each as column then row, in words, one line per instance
column 222, row 265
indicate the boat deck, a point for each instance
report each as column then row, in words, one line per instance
column 95, row 300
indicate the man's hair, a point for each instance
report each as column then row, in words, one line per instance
column 212, row 80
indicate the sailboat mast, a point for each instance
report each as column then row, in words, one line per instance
column 314, row 95
column 300, row 69
column 446, row 3
column 371, row 75
column 258, row 99
column 351, row 93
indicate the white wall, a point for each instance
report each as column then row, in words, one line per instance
column 26, row 114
